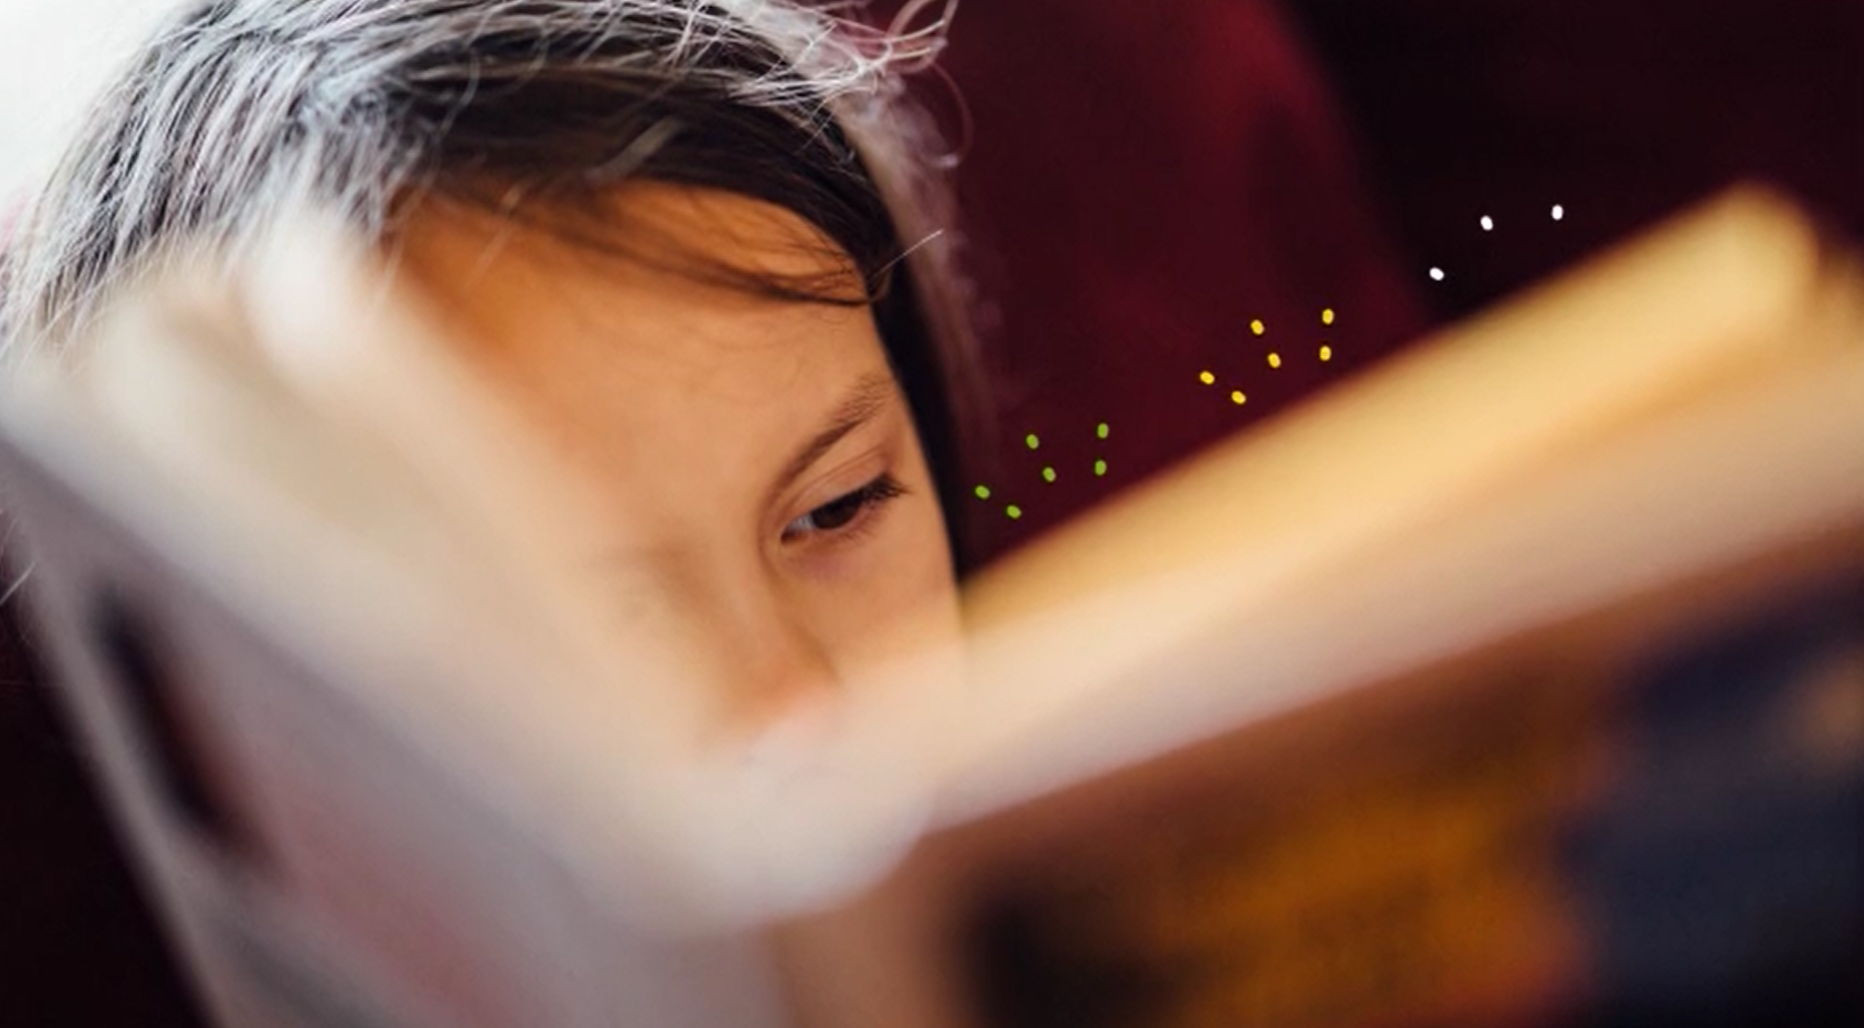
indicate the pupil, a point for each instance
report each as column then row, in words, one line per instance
column 837, row 513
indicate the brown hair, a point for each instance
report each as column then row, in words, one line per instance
column 529, row 108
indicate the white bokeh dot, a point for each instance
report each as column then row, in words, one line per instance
column 1436, row 274
column 1558, row 212
column 1488, row 223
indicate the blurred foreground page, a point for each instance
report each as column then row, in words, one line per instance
column 1520, row 684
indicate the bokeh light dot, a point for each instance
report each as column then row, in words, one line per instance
column 1032, row 441
column 1101, row 430
column 1436, row 274
column 1274, row 360
column 1237, row 397
column 1100, row 468
column 1326, row 316
column 1326, row 352
column 1207, row 378
column 1013, row 511
column 982, row 492
column 1048, row 474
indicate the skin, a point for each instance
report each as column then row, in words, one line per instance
column 772, row 509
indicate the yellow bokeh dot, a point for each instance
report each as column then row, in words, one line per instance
column 983, row 492
column 1207, row 378
column 1326, row 316
column 1274, row 360
column 1032, row 440
column 1013, row 511
column 1048, row 474
column 1258, row 327
column 1237, row 397
column 1326, row 352
column 1100, row 467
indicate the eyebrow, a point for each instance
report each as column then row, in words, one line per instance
column 869, row 397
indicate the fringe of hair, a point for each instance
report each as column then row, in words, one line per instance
column 242, row 108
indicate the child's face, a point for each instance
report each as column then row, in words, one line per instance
column 770, row 500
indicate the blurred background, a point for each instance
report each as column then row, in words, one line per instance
column 1278, row 194
column 1190, row 189
column 54, row 54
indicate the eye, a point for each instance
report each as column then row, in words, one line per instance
column 837, row 515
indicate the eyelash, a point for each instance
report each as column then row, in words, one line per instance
column 859, row 507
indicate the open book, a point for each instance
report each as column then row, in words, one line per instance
column 1519, row 682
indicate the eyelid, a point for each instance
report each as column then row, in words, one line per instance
column 864, row 456
column 876, row 400
column 868, row 497
column 874, row 450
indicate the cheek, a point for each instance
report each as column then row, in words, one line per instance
column 894, row 597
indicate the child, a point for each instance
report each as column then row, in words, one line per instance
column 695, row 242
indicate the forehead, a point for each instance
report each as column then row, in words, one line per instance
column 653, row 347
